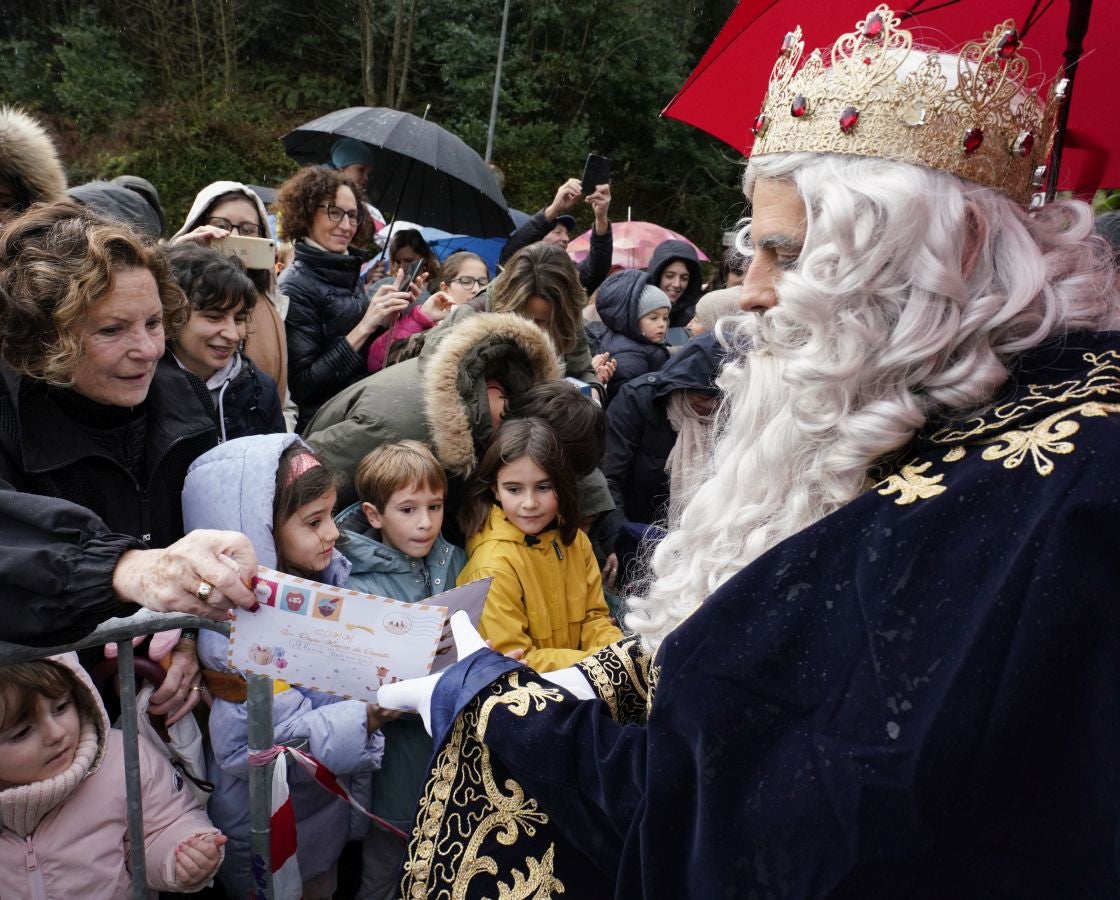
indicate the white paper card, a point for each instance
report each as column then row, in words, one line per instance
column 344, row 642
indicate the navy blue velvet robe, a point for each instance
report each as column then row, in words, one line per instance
column 916, row 697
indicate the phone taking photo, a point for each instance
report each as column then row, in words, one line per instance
column 254, row 253
column 406, row 276
column 596, row 171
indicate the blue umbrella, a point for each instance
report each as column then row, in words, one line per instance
column 444, row 243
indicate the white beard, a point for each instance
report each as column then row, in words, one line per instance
column 791, row 447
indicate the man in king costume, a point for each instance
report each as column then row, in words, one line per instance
column 880, row 655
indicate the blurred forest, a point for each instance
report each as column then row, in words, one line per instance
column 185, row 92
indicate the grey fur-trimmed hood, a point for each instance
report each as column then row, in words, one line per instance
column 503, row 345
column 29, row 159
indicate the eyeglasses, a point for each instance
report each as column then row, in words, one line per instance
column 335, row 213
column 245, row 229
column 468, row 282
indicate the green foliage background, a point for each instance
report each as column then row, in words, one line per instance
column 185, row 92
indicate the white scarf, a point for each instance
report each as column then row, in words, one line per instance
column 688, row 460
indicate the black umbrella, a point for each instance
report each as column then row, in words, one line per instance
column 421, row 172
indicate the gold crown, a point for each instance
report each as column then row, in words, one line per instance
column 989, row 127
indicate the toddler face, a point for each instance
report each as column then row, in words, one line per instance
column 411, row 519
column 654, row 326
column 41, row 746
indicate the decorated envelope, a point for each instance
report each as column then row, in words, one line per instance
column 344, row 642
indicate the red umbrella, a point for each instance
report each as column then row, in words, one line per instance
column 724, row 92
column 634, row 243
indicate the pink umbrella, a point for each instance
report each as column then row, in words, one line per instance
column 634, row 243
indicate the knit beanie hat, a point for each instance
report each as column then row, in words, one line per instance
column 349, row 152
column 714, row 305
column 653, row 298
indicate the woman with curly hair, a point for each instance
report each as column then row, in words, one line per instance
column 96, row 434
column 330, row 322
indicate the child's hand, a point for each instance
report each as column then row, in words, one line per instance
column 375, row 272
column 437, row 306
column 610, row 572
column 376, row 716
column 604, row 366
column 197, row 859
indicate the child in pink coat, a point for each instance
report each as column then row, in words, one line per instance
column 63, row 802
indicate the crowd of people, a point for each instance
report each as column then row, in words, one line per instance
column 801, row 574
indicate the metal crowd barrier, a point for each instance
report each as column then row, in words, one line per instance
column 121, row 632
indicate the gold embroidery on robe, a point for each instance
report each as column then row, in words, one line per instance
column 1039, row 440
column 911, row 485
column 463, row 810
column 519, row 698
column 1102, row 380
column 1048, row 437
column 443, row 853
column 619, row 674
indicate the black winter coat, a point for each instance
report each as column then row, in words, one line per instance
column 640, row 438
column 617, row 306
column 247, row 404
column 71, row 503
column 592, row 270
column 663, row 254
column 325, row 301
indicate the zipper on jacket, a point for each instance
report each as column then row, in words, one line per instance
column 34, row 872
column 145, row 515
column 556, row 547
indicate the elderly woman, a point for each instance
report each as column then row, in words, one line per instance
column 330, row 321
column 95, row 440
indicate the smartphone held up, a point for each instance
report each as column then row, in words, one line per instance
column 596, row 171
column 254, row 253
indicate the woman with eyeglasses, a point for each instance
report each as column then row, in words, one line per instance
column 331, row 323
column 229, row 207
column 464, row 275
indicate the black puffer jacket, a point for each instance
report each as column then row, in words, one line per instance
column 244, row 405
column 79, row 485
column 592, row 270
column 640, row 438
column 663, row 254
column 617, row 306
column 325, row 301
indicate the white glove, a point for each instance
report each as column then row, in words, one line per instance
column 415, row 694
column 573, row 681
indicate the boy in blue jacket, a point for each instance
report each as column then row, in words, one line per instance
column 392, row 538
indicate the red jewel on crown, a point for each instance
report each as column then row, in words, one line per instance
column 799, row 107
column 849, row 119
column 759, row 125
column 1008, row 44
column 973, row 138
column 873, row 27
